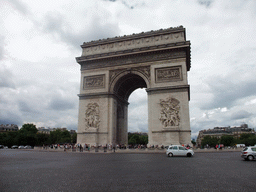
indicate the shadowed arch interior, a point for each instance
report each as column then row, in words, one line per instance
column 127, row 84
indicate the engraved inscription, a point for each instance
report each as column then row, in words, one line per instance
column 168, row 74
column 170, row 110
column 92, row 82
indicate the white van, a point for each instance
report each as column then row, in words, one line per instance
column 240, row 145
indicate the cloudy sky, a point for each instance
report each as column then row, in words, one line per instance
column 39, row 40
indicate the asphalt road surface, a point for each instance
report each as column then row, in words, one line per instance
column 22, row 170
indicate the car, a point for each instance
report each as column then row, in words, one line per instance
column 27, row 147
column 1, row 146
column 178, row 150
column 21, row 147
column 249, row 153
column 5, row 147
column 14, row 147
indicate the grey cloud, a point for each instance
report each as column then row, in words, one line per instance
column 72, row 126
column 19, row 6
column 25, row 107
column 199, row 125
column 56, row 25
column 129, row 4
column 206, row 3
column 61, row 104
column 1, row 47
column 9, row 117
column 6, row 78
column 227, row 92
column 143, row 127
column 241, row 115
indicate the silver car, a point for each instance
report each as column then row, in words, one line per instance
column 249, row 153
column 178, row 150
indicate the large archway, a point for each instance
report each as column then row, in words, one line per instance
column 112, row 69
column 138, row 111
column 124, row 85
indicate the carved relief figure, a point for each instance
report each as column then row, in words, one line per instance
column 92, row 118
column 94, row 81
column 170, row 112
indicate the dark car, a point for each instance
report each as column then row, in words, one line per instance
column 14, row 147
column 1, row 146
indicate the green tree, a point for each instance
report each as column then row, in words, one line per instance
column 247, row 139
column 134, row 138
column 55, row 136
column 42, row 139
column 211, row 141
column 227, row 140
column 27, row 135
column 143, row 139
column 65, row 137
column 29, row 128
column 74, row 138
column 193, row 141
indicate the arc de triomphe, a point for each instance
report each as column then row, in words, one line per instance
column 111, row 69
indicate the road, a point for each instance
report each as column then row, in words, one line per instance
column 30, row 170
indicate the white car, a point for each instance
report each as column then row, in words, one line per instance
column 249, row 153
column 178, row 150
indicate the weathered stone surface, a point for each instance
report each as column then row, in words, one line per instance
column 112, row 69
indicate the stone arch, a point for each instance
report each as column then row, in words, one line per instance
column 128, row 81
column 111, row 69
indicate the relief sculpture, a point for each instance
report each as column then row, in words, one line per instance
column 96, row 81
column 170, row 112
column 92, row 118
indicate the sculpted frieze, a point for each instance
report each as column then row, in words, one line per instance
column 144, row 70
column 92, row 116
column 159, row 37
column 170, row 112
column 92, row 82
column 166, row 74
column 139, row 58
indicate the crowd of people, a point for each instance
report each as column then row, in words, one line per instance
column 88, row 147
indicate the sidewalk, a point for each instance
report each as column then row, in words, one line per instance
column 147, row 150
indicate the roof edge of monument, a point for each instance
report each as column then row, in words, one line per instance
column 133, row 36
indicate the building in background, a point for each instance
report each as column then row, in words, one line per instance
column 8, row 127
column 44, row 130
column 48, row 130
column 220, row 131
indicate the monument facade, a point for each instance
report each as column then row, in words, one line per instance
column 111, row 69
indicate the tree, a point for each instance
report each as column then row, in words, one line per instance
column 211, row 141
column 227, row 140
column 42, row 138
column 135, row 138
column 247, row 139
column 74, row 138
column 27, row 135
column 193, row 141
column 30, row 128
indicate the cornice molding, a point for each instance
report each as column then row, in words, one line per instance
column 185, row 44
column 134, row 36
column 136, row 58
